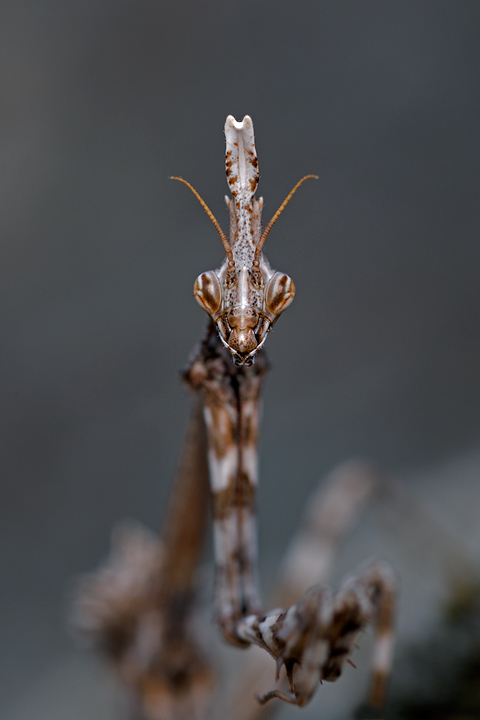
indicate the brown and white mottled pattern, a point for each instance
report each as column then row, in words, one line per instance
column 231, row 397
column 314, row 637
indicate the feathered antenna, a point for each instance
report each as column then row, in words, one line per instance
column 274, row 219
column 212, row 217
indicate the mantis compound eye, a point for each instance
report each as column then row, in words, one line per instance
column 279, row 294
column 207, row 292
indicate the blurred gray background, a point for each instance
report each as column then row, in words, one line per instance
column 379, row 354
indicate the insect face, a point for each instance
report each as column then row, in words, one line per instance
column 244, row 307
